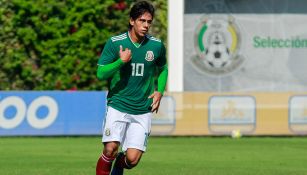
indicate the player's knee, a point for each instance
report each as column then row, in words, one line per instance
column 110, row 149
column 132, row 161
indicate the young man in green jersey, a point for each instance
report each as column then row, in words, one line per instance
column 129, row 61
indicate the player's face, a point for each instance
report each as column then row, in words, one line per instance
column 142, row 24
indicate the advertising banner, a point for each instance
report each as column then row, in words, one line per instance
column 256, row 49
column 51, row 113
column 245, row 46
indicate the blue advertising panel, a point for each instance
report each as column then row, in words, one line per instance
column 51, row 112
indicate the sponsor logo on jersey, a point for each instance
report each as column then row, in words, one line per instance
column 149, row 56
column 217, row 42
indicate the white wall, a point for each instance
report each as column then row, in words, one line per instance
column 175, row 45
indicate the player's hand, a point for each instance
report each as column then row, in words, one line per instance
column 156, row 96
column 125, row 55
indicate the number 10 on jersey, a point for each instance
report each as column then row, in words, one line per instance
column 137, row 69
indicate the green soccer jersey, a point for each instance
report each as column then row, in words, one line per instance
column 133, row 83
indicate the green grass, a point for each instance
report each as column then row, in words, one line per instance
column 165, row 156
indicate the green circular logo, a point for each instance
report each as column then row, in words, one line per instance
column 217, row 43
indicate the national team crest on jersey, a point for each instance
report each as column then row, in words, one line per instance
column 149, row 56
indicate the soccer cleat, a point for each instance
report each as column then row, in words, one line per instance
column 117, row 168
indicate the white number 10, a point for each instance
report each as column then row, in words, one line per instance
column 137, row 69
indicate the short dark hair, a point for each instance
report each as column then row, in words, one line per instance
column 139, row 8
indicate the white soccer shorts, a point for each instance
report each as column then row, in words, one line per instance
column 132, row 131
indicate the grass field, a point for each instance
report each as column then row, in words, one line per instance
column 165, row 156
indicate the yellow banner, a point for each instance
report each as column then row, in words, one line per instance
column 196, row 113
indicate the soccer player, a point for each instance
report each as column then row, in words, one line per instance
column 129, row 61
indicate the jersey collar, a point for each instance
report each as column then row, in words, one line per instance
column 135, row 45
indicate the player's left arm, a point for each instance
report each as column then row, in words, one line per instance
column 162, row 79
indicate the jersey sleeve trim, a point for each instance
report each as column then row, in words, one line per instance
column 119, row 37
column 153, row 38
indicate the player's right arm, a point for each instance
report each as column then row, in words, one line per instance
column 109, row 63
